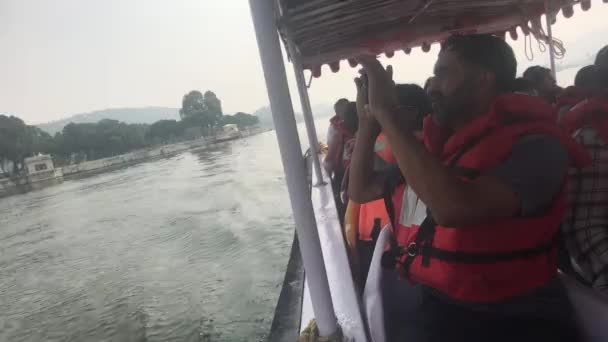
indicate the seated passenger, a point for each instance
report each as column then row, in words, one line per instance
column 544, row 82
column 491, row 172
column 585, row 227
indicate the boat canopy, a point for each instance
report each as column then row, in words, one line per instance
column 329, row 31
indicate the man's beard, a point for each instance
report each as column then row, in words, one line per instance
column 448, row 111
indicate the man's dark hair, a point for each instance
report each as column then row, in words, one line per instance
column 536, row 74
column 412, row 95
column 523, row 85
column 588, row 77
column 602, row 57
column 339, row 102
column 489, row 52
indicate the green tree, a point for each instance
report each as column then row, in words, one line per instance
column 103, row 139
column 192, row 105
column 19, row 141
column 213, row 108
column 164, row 131
column 15, row 141
column 204, row 111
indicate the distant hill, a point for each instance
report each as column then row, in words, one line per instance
column 319, row 111
column 128, row 115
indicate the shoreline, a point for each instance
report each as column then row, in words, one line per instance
column 25, row 183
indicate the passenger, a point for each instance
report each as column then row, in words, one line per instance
column 524, row 86
column 586, row 82
column 544, row 82
column 337, row 135
column 351, row 124
column 372, row 215
column 491, row 173
column 585, row 227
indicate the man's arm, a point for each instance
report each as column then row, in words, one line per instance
column 452, row 201
column 364, row 184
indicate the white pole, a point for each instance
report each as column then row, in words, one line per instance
column 262, row 13
column 548, row 16
column 307, row 112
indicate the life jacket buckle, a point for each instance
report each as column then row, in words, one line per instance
column 412, row 249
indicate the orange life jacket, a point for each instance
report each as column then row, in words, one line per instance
column 495, row 260
column 372, row 215
column 383, row 150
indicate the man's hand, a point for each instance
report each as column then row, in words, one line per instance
column 381, row 96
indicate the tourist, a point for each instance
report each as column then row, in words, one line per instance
column 490, row 171
column 586, row 83
column 337, row 136
column 414, row 104
column 543, row 81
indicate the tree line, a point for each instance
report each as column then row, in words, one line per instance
column 200, row 114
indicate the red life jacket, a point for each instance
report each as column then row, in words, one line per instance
column 495, row 260
column 592, row 112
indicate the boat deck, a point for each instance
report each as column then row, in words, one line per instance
column 343, row 293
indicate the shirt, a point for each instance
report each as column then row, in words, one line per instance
column 585, row 226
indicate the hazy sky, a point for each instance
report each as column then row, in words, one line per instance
column 62, row 57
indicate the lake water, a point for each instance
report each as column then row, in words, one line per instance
column 190, row 248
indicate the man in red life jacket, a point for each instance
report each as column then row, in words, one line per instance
column 586, row 224
column 337, row 136
column 491, row 172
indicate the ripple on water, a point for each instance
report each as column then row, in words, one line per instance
column 189, row 248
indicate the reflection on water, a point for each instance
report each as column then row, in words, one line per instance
column 191, row 248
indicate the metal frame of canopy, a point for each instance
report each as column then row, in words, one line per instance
column 317, row 32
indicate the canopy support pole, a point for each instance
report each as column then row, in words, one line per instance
column 548, row 16
column 262, row 13
column 307, row 112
